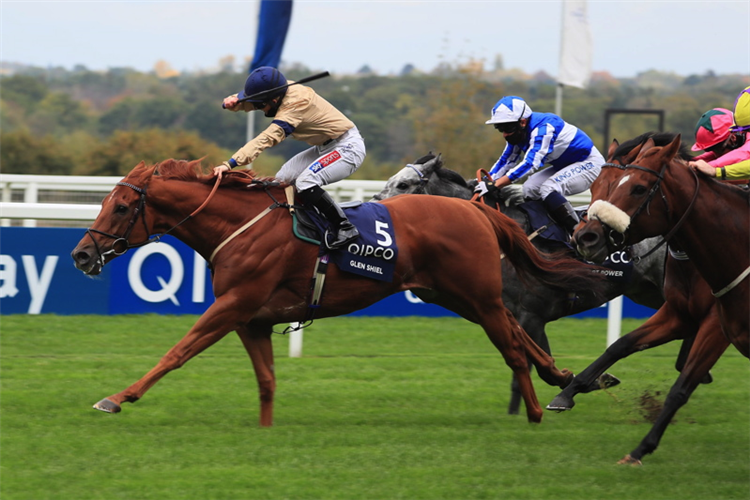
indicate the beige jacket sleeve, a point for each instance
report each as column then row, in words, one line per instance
column 270, row 137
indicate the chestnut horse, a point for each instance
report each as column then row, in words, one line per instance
column 690, row 312
column 262, row 276
column 708, row 220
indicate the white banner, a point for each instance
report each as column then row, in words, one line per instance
column 576, row 49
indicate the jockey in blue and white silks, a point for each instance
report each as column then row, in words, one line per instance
column 558, row 158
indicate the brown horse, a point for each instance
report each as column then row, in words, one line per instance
column 262, row 276
column 690, row 312
column 708, row 220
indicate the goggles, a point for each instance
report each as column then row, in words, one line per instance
column 508, row 127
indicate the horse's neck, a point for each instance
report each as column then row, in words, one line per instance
column 441, row 187
column 715, row 233
column 226, row 212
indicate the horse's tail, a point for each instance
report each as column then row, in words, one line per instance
column 557, row 269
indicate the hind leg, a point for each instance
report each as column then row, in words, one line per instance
column 533, row 325
column 258, row 344
column 544, row 363
column 502, row 332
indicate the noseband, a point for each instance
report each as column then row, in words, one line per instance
column 422, row 179
column 120, row 245
column 616, row 240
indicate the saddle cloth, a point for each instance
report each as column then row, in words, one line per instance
column 619, row 265
column 373, row 254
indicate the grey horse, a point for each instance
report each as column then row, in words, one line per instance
column 534, row 308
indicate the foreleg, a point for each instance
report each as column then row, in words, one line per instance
column 664, row 326
column 710, row 344
column 215, row 323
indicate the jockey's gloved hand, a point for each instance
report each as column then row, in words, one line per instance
column 485, row 188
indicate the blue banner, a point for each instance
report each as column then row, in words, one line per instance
column 273, row 24
column 37, row 276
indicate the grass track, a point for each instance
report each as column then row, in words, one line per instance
column 376, row 409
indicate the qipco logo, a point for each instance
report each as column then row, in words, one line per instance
column 169, row 278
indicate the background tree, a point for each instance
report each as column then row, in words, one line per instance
column 451, row 122
column 81, row 121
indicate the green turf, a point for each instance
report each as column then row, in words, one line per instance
column 375, row 409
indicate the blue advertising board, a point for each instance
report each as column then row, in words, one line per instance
column 37, row 276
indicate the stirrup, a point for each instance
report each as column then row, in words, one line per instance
column 337, row 236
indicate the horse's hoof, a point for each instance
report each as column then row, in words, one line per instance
column 607, row 380
column 628, row 460
column 107, row 406
column 561, row 403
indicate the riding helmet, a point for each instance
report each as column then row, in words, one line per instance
column 712, row 128
column 509, row 109
column 742, row 112
column 260, row 80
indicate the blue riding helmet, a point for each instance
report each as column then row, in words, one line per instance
column 509, row 109
column 260, row 80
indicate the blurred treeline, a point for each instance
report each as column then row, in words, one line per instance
column 80, row 122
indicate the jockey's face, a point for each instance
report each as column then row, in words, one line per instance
column 515, row 132
column 269, row 108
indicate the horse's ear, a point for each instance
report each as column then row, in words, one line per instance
column 424, row 159
column 431, row 165
column 670, row 150
column 612, row 148
column 645, row 147
column 197, row 162
column 633, row 153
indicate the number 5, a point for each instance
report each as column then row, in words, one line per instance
column 380, row 229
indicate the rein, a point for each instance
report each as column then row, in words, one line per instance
column 120, row 245
column 482, row 177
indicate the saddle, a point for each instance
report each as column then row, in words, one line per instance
column 310, row 226
column 373, row 254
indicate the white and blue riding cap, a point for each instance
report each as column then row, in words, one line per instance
column 509, row 109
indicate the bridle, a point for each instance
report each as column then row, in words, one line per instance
column 616, row 239
column 423, row 180
column 121, row 244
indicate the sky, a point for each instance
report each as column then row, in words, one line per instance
column 629, row 37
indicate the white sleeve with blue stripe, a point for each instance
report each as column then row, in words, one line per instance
column 506, row 161
column 552, row 141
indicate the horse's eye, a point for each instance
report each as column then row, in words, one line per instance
column 402, row 186
column 639, row 190
column 121, row 209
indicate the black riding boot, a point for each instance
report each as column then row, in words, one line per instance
column 343, row 231
column 563, row 213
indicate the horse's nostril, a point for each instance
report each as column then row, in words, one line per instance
column 587, row 237
column 81, row 257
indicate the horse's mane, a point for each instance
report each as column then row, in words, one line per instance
column 449, row 175
column 192, row 171
column 659, row 138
